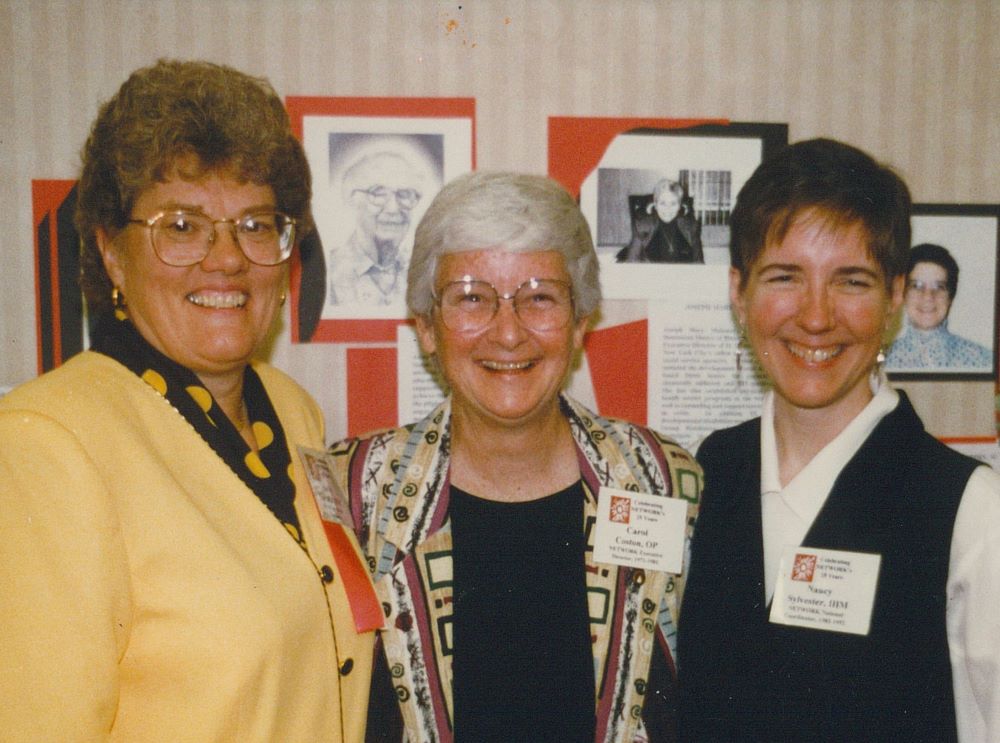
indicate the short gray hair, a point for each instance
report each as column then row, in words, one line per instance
column 511, row 212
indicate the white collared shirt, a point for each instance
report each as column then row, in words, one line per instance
column 973, row 620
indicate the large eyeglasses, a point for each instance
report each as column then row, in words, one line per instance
column 934, row 288
column 184, row 238
column 407, row 198
column 469, row 305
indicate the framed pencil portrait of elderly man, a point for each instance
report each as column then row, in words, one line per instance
column 947, row 328
column 376, row 164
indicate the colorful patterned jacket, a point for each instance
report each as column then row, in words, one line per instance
column 398, row 487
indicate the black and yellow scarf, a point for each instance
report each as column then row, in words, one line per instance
column 266, row 473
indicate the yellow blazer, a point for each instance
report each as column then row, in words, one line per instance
column 148, row 594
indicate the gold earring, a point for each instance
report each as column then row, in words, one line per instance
column 282, row 299
column 118, row 303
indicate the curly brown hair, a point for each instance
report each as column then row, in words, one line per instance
column 197, row 112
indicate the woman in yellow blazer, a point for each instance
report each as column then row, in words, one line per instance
column 166, row 573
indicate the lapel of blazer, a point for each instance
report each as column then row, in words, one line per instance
column 406, row 473
column 624, row 603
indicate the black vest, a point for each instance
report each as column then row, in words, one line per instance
column 745, row 679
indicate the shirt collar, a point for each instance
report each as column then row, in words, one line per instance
column 807, row 492
column 939, row 330
column 362, row 263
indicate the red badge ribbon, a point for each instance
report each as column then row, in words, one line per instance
column 365, row 606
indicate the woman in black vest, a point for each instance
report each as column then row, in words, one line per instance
column 845, row 564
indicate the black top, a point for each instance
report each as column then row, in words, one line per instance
column 523, row 664
column 669, row 245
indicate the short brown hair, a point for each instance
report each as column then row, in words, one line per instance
column 220, row 118
column 841, row 183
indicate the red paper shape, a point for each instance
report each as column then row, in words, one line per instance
column 372, row 399
column 617, row 358
column 577, row 143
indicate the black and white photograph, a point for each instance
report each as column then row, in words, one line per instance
column 375, row 169
column 948, row 323
column 663, row 197
column 663, row 224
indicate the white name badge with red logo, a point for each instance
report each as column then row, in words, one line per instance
column 829, row 590
column 332, row 503
column 639, row 530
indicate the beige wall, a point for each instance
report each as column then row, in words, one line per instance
column 912, row 81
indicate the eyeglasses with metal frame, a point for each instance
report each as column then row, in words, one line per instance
column 934, row 288
column 183, row 238
column 469, row 305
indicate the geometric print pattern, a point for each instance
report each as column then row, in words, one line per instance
column 398, row 486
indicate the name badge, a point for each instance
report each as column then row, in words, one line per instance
column 332, row 503
column 639, row 530
column 826, row 589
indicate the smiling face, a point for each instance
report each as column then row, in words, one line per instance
column 389, row 221
column 209, row 317
column 504, row 374
column 927, row 298
column 667, row 205
column 815, row 308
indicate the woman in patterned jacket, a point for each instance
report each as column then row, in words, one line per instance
column 479, row 521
